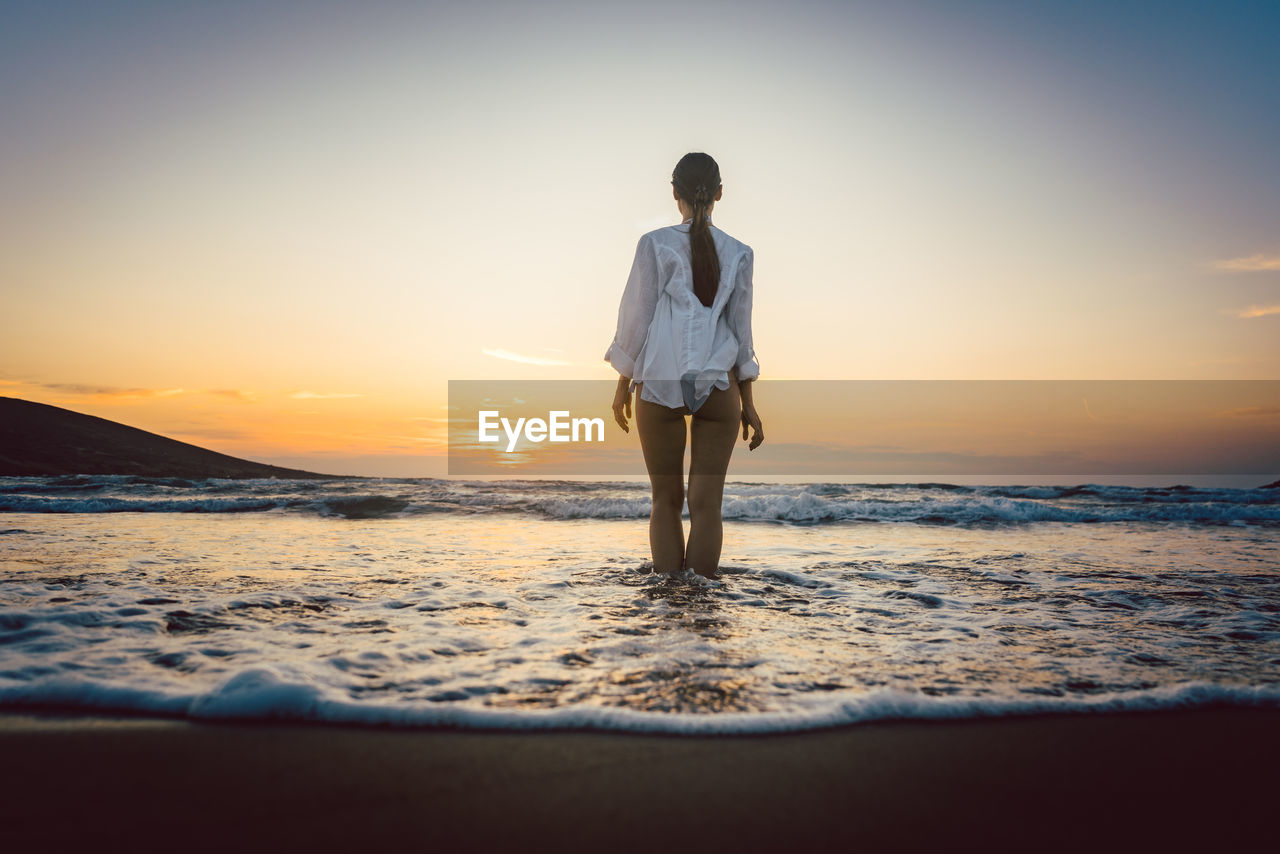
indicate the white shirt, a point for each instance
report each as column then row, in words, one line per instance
column 677, row 348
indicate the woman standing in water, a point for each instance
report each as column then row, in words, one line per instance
column 684, row 346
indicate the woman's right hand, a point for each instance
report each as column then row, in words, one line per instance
column 622, row 403
column 751, row 420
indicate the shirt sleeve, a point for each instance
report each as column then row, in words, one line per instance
column 739, row 311
column 635, row 313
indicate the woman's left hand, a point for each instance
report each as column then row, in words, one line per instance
column 622, row 403
column 751, row 420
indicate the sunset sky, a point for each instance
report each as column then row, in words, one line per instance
column 278, row 230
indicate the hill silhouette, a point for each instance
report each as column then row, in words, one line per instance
column 39, row 439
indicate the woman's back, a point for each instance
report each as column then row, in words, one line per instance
column 675, row 262
column 667, row 339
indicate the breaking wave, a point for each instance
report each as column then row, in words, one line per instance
column 808, row 504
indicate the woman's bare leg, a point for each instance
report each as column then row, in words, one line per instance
column 714, row 430
column 662, row 432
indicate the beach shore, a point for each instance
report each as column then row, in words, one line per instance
column 1176, row 778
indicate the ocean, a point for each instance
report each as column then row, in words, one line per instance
column 517, row 605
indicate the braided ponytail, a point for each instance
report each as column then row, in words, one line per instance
column 697, row 180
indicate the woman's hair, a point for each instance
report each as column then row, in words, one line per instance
column 697, row 180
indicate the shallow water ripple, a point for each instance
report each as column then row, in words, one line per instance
column 299, row 616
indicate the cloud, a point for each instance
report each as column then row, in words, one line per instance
column 315, row 395
column 420, row 440
column 224, row 433
column 1251, row 412
column 89, row 390
column 1255, row 311
column 521, row 358
column 1258, row 263
column 233, row 393
column 115, row 392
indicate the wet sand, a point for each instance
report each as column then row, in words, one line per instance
column 1179, row 779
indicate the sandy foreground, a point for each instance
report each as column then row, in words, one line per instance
column 1182, row 779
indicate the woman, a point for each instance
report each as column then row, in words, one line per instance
column 684, row 346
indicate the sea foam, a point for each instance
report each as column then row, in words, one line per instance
column 263, row 694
